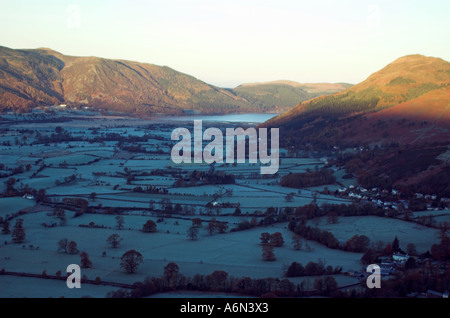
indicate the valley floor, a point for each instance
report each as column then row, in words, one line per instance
column 124, row 167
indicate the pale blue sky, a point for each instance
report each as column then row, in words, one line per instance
column 230, row 42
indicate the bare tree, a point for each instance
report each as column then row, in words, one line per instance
column 120, row 222
column 85, row 261
column 212, row 226
column 267, row 253
column 297, row 242
column 193, row 233
column 18, row 234
column 289, row 197
column 171, row 273
column 114, row 240
column 265, row 238
column 62, row 245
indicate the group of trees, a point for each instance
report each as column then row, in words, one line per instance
column 333, row 211
column 357, row 243
column 308, row 179
column 217, row 226
column 71, row 203
column 274, row 239
column 130, row 260
column 60, row 214
column 245, row 225
column 268, row 243
column 349, row 102
column 66, row 246
column 314, row 234
column 220, row 281
column 298, row 241
column 18, row 234
column 11, row 190
column 311, row 269
column 214, row 226
column 203, row 177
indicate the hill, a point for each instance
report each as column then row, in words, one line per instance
column 285, row 94
column 407, row 101
column 30, row 78
column 44, row 77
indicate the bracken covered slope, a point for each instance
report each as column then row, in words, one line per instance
column 407, row 102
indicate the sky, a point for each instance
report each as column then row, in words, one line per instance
column 227, row 43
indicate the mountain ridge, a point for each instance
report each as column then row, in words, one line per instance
column 412, row 88
column 33, row 77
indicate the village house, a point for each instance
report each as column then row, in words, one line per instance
column 400, row 258
column 28, row 196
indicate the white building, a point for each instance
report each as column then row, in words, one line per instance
column 400, row 258
column 28, row 196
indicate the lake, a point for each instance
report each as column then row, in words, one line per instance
column 235, row 118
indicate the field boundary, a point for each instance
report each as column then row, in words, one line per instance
column 61, row 278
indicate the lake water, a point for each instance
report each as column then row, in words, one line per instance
column 235, row 118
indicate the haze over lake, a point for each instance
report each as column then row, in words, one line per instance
column 235, row 118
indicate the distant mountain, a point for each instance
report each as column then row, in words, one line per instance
column 30, row 78
column 45, row 77
column 408, row 101
column 285, row 94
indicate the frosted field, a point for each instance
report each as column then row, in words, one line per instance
column 73, row 160
column 442, row 218
column 382, row 229
column 345, row 182
column 237, row 253
column 13, row 205
column 441, row 215
column 14, row 287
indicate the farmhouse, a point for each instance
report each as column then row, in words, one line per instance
column 400, row 258
column 28, row 196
